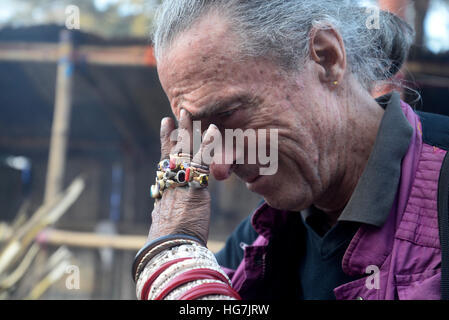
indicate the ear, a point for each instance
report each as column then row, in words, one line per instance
column 327, row 50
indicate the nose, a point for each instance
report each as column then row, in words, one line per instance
column 221, row 168
column 221, row 165
column 221, row 171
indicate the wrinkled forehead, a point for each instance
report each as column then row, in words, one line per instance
column 200, row 52
column 203, row 67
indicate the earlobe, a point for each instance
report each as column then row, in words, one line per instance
column 328, row 52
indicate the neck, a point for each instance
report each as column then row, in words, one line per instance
column 363, row 117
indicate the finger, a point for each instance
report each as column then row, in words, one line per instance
column 185, row 142
column 206, row 154
column 167, row 127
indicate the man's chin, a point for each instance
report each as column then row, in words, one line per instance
column 276, row 204
column 263, row 185
column 282, row 203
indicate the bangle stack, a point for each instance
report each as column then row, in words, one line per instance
column 180, row 268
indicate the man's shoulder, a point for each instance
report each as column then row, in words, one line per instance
column 435, row 129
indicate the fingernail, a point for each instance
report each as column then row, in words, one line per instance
column 163, row 124
column 209, row 131
column 182, row 114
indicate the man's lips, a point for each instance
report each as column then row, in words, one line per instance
column 248, row 174
column 253, row 179
column 259, row 184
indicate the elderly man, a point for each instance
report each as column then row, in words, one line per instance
column 352, row 209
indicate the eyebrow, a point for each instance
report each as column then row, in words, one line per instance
column 214, row 108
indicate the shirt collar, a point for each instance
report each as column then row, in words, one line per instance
column 376, row 190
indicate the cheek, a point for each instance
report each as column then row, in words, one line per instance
column 289, row 191
column 298, row 163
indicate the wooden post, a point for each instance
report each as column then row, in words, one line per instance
column 399, row 8
column 421, row 9
column 61, row 118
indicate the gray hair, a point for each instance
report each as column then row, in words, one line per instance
column 279, row 29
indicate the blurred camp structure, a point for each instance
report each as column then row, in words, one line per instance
column 79, row 140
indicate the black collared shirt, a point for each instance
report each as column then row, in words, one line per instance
column 320, row 267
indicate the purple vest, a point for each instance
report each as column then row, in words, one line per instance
column 404, row 253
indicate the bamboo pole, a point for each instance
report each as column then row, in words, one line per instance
column 94, row 240
column 61, row 119
column 130, row 55
column 46, row 215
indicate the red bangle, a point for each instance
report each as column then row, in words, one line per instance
column 150, row 280
column 191, row 275
column 210, row 289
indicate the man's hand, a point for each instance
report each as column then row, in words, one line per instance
column 182, row 210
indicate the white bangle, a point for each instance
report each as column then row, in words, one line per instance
column 217, row 297
column 157, row 249
column 182, row 251
column 171, row 272
column 179, row 291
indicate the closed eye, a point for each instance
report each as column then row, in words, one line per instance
column 226, row 114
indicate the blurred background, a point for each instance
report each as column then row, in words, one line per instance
column 80, row 107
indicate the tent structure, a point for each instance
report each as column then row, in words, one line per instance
column 110, row 136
